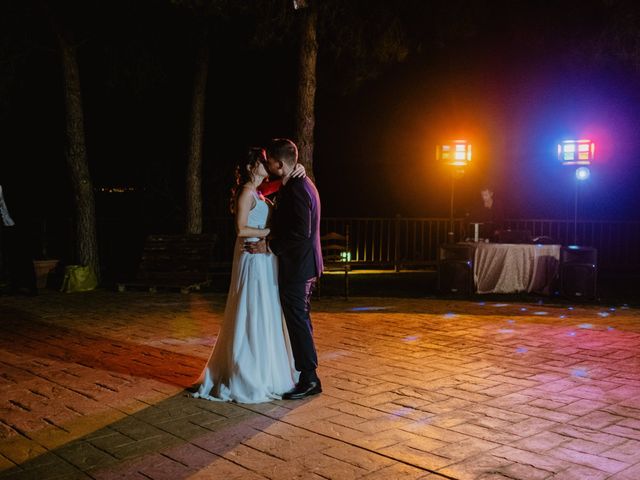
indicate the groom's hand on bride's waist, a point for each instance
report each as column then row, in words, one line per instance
column 256, row 247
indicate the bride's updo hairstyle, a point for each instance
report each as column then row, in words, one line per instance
column 243, row 172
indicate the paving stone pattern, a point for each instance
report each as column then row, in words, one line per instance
column 92, row 387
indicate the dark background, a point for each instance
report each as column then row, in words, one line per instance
column 526, row 76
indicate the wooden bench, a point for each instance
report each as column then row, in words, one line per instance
column 174, row 261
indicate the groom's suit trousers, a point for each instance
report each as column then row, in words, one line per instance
column 295, row 298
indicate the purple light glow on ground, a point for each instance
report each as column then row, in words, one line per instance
column 368, row 309
column 411, row 338
column 580, row 372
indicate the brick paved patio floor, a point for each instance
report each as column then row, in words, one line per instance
column 92, row 386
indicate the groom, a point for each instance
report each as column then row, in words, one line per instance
column 296, row 223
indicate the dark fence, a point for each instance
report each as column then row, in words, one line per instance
column 386, row 243
column 375, row 242
column 618, row 243
column 412, row 242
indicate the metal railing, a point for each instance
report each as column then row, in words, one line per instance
column 388, row 243
column 617, row 241
column 375, row 242
column 396, row 243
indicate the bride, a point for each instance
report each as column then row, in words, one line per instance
column 252, row 360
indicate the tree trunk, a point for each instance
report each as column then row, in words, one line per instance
column 305, row 116
column 76, row 155
column 194, row 161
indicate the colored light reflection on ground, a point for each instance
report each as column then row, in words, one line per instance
column 411, row 338
column 580, row 372
column 368, row 309
column 108, row 372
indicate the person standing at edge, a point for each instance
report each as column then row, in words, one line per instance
column 296, row 243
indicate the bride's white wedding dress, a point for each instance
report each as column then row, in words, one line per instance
column 251, row 361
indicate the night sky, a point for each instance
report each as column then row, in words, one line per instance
column 522, row 77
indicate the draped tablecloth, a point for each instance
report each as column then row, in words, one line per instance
column 511, row 268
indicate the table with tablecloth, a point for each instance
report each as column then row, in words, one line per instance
column 512, row 268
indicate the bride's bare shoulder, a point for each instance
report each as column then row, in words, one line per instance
column 246, row 198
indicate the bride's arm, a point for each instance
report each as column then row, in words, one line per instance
column 243, row 206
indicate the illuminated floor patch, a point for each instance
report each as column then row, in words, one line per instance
column 411, row 338
column 368, row 309
column 580, row 372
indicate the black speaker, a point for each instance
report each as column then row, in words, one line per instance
column 576, row 254
column 455, row 276
column 455, row 269
column 578, row 272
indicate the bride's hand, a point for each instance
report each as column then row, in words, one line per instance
column 299, row 171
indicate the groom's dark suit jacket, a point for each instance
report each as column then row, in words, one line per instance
column 296, row 225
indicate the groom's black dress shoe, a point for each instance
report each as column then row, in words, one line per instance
column 303, row 390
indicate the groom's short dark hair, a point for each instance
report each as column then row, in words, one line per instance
column 284, row 150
